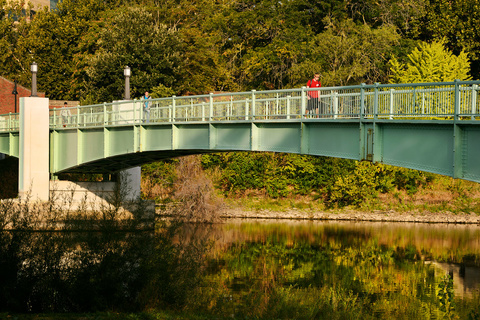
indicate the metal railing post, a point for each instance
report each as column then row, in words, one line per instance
column 210, row 112
column 246, row 108
column 253, row 104
column 104, row 113
column 173, row 109
column 302, row 104
column 391, row 103
column 375, row 102
column 457, row 100
column 474, row 100
column 362, row 102
column 335, row 104
column 192, row 113
column 288, row 106
column 134, row 112
column 423, row 103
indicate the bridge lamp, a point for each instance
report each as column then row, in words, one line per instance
column 15, row 93
column 34, row 69
column 127, row 73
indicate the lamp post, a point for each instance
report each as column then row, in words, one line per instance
column 15, row 92
column 34, row 69
column 127, row 73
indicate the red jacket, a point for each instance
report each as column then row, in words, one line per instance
column 313, row 84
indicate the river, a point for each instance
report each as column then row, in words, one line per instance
column 248, row 269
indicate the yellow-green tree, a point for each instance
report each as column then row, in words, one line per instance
column 430, row 62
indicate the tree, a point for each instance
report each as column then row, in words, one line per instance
column 456, row 23
column 403, row 14
column 13, row 26
column 128, row 36
column 348, row 53
column 430, row 62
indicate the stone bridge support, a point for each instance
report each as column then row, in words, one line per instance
column 34, row 151
column 34, row 158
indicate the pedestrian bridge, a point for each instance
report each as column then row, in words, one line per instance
column 431, row 127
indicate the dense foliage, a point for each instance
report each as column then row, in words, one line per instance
column 337, row 182
column 183, row 47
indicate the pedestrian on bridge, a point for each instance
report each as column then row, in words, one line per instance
column 313, row 103
column 146, row 107
column 65, row 114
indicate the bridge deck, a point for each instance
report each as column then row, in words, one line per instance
column 432, row 127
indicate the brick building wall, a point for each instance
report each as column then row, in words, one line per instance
column 7, row 99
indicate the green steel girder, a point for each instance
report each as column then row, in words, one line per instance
column 444, row 147
column 9, row 143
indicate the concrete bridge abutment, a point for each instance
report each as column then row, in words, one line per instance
column 34, row 149
column 34, row 163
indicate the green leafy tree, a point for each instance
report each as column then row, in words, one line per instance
column 128, row 36
column 49, row 38
column 403, row 14
column 13, row 28
column 455, row 22
column 348, row 53
column 50, row 41
column 430, row 62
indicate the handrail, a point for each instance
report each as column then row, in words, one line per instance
column 440, row 101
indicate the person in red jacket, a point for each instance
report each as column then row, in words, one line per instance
column 313, row 103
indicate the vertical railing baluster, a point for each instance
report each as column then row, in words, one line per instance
column 457, row 100
column 302, row 111
column 391, row 103
column 423, row 103
column 253, row 104
column 174, row 111
column 474, row 101
column 104, row 113
column 246, row 108
column 335, row 104
column 375, row 102
column 277, row 104
column 362, row 102
column 288, row 106
column 134, row 120
column 210, row 113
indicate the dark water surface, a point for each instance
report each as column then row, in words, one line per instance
column 344, row 270
column 449, row 248
column 248, row 269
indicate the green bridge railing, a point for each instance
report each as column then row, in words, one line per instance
column 440, row 101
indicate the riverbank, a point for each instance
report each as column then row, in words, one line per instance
column 353, row 215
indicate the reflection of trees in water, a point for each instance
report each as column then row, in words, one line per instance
column 329, row 269
column 90, row 264
column 457, row 243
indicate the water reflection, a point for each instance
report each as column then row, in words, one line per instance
column 256, row 269
column 466, row 279
column 451, row 248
